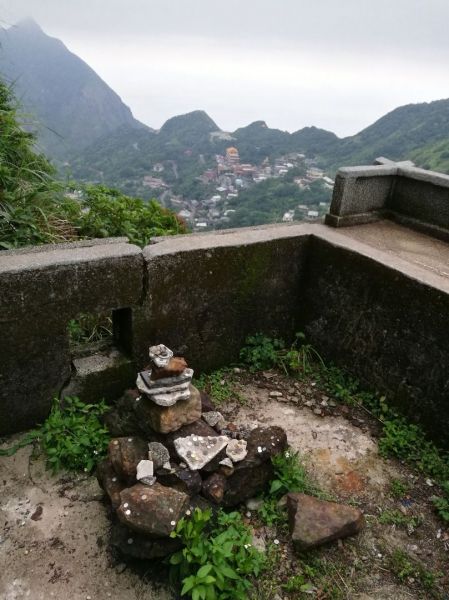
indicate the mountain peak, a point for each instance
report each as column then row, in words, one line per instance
column 27, row 25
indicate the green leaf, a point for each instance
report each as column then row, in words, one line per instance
column 205, row 570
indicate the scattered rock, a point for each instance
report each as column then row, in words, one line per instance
column 165, row 419
column 214, row 487
column 215, row 419
column 236, row 450
column 152, row 510
column 314, row 522
column 197, row 451
column 275, row 394
column 159, row 454
column 125, row 453
column 259, row 544
column 110, row 482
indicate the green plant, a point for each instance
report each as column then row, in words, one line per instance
column 404, row 567
column 217, row 560
column 106, row 212
column 398, row 488
column 261, row 352
column 72, row 437
column 219, row 386
column 271, row 513
column 301, row 359
column 396, row 517
column 290, row 475
column 87, row 329
column 441, row 503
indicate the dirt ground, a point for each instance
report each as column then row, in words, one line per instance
column 54, row 530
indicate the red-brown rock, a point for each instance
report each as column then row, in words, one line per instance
column 152, row 510
column 176, row 366
column 125, row 453
column 314, row 522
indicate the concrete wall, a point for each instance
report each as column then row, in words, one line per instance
column 387, row 327
column 41, row 290
column 411, row 196
column 202, row 295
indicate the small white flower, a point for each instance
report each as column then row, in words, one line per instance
column 276, row 541
column 173, row 523
column 287, row 454
column 188, row 513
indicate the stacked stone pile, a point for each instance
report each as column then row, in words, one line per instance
column 177, row 453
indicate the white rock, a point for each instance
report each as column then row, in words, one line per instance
column 197, row 450
column 236, row 450
column 275, row 394
column 145, row 468
column 160, row 355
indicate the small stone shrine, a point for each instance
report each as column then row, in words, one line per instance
column 174, row 452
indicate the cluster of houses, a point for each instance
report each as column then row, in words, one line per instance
column 228, row 177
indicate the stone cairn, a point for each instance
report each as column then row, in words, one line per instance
column 174, row 452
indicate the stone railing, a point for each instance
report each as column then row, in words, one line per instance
column 384, row 319
column 399, row 191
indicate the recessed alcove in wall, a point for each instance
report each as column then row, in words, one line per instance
column 102, row 365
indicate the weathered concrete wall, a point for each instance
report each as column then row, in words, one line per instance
column 388, row 328
column 411, row 196
column 360, row 193
column 385, row 320
column 208, row 292
column 41, row 290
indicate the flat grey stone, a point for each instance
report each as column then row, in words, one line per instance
column 198, row 450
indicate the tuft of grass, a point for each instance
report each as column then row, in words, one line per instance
column 397, row 518
column 404, row 568
column 219, row 386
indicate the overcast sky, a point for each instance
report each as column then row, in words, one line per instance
column 339, row 65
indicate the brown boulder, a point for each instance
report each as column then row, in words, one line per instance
column 314, row 522
column 247, row 481
column 265, row 442
column 125, row 453
column 253, row 474
column 110, row 482
column 153, row 510
column 165, row 419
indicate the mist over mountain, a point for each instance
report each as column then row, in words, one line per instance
column 69, row 105
column 85, row 122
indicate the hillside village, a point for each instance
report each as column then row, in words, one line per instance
column 229, row 177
